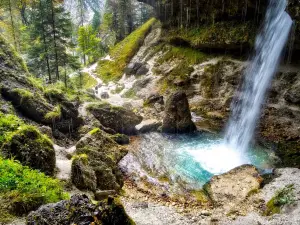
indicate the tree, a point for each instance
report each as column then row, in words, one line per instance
column 51, row 31
column 88, row 43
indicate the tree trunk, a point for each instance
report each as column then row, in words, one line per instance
column 54, row 40
column 12, row 24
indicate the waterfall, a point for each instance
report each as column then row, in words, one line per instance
column 258, row 76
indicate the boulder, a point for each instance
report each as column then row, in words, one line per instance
column 46, row 130
column 101, row 195
column 143, row 70
column 31, row 148
column 99, row 157
column 148, row 126
column 132, row 68
column 232, row 188
column 83, row 176
column 80, row 210
column 141, row 83
column 293, row 94
column 104, row 95
column 155, row 98
column 121, row 139
column 119, row 119
column 178, row 117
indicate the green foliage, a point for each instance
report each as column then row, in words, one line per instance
column 84, row 81
column 88, row 43
column 282, row 197
column 221, row 33
column 23, row 189
column 129, row 94
column 8, row 124
column 122, row 53
column 25, row 94
column 36, row 82
column 55, row 114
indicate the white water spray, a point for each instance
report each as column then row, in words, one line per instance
column 258, row 76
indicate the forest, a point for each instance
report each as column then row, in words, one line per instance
column 149, row 112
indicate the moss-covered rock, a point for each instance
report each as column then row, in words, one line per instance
column 289, row 153
column 102, row 157
column 117, row 118
column 31, row 148
column 121, row 139
column 80, row 210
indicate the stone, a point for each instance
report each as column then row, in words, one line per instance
column 46, row 130
column 177, row 118
column 158, row 107
column 101, row 195
column 119, row 119
column 121, row 139
column 141, row 83
column 80, row 210
column 143, row 70
column 82, row 175
column 31, row 148
column 132, row 68
column 148, row 126
column 155, row 98
column 232, row 188
column 100, row 154
column 104, row 95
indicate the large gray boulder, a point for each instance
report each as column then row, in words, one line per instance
column 119, row 119
column 178, row 117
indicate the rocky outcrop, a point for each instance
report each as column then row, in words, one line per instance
column 178, row 117
column 81, row 211
column 149, row 126
column 95, row 166
column 119, row 119
column 31, row 148
column 232, row 188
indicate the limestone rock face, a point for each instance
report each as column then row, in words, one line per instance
column 178, row 117
column 81, row 211
column 96, row 162
column 32, row 149
column 119, row 119
column 232, row 188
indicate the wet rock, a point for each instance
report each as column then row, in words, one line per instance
column 46, row 130
column 101, row 195
column 80, row 210
column 104, row 95
column 119, row 119
column 31, row 148
column 155, row 98
column 82, row 175
column 132, row 68
column 232, row 188
column 141, row 83
column 143, row 70
column 158, row 107
column 121, row 139
column 148, row 126
column 102, row 156
column 178, row 117
column 293, row 94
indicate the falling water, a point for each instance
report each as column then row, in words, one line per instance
column 258, row 76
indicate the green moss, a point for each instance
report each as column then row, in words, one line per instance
column 84, row 81
column 23, row 189
column 289, row 153
column 94, row 131
column 220, row 34
column 282, row 197
column 82, row 157
column 25, row 94
column 8, row 124
column 55, row 114
column 129, row 94
column 36, row 82
column 122, row 53
column 200, row 196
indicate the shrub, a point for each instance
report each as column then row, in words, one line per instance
column 282, row 197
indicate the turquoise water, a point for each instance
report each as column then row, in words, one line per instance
column 187, row 161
